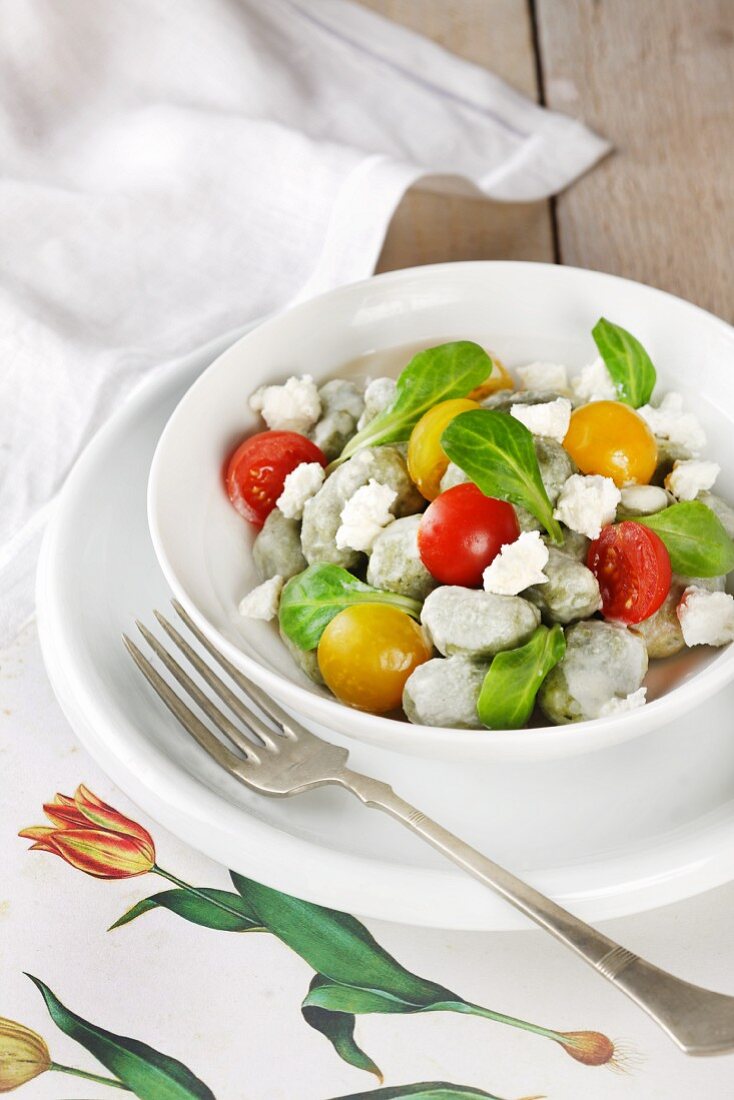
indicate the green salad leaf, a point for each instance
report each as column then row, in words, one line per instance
column 628, row 363
column 513, row 680
column 497, row 453
column 694, row 537
column 433, row 375
column 314, row 597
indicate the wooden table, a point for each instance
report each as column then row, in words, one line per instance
column 656, row 77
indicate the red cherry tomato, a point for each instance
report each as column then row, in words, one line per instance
column 257, row 469
column 632, row 566
column 462, row 531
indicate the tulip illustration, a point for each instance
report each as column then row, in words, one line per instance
column 99, row 840
column 24, row 1055
column 92, row 836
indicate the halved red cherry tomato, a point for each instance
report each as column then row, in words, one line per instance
column 462, row 531
column 632, row 566
column 257, row 469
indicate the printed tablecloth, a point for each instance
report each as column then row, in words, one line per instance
column 235, row 991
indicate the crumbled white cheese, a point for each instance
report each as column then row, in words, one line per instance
column 706, row 618
column 644, row 500
column 587, row 503
column 378, row 394
column 594, row 383
column 687, row 479
column 262, row 602
column 364, row 516
column 300, row 485
column 669, row 421
column 617, row 705
column 544, row 376
column 518, row 565
column 292, row 407
column 550, row 419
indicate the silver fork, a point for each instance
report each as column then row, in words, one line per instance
column 284, row 758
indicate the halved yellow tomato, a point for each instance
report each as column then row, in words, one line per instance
column 427, row 460
column 367, row 652
column 611, row 439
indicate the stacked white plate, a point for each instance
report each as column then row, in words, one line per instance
column 636, row 824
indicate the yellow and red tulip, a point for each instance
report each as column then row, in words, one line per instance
column 23, row 1055
column 94, row 837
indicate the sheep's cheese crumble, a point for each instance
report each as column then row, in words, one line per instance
column 706, row 618
column 669, row 421
column 644, row 500
column 617, row 705
column 689, row 478
column 292, row 407
column 587, row 503
column 550, row 419
column 262, row 602
column 594, row 383
column 544, row 376
column 299, row 486
column 365, row 515
column 518, row 565
column 378, row 394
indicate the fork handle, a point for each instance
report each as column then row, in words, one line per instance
column 698, row 1020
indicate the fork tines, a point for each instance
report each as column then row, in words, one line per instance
column 252, row 741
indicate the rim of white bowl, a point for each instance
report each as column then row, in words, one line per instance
column 537, row 742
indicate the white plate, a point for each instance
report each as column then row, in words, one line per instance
column 522, row 312
column 610, row 833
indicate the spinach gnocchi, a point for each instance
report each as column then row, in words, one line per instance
column 469, row 554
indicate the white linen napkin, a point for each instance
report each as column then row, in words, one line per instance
column 170, row 171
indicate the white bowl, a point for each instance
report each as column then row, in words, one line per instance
column 520, row 311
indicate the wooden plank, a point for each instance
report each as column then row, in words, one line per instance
column 429, row 228
column 657, row 79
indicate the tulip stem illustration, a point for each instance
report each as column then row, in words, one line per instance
column 98, row 1080
column 156, row 870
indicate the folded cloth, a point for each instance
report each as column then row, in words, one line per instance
column 171, row 171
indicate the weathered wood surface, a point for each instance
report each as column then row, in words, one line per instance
column 429, row 228
column 657, row 79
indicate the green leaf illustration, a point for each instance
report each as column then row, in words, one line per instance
column 434, row 375
column 629, row 365
column 514, row 678
column 314, row 597
column 146, row 1072
column 221, row 910
column 424, row 1090
column 338, row 1027
column 694, row 537
column 355, row 975
column 498, row 454
column 339, row 947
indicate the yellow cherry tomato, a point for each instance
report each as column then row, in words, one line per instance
column 427, row 460
column 366, row 654
column 611, row 439
column 499, row 379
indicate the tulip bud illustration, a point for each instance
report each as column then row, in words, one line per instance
column 23, row 1055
